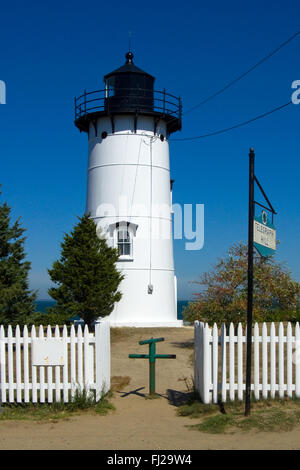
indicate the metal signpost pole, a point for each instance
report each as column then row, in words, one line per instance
column 250, row 282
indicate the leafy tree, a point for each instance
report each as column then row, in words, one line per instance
column 275, row 294
column 86, row 275
column 16, row 300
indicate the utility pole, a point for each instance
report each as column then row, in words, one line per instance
column 250, row 282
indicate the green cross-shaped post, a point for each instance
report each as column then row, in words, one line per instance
column 152, row 356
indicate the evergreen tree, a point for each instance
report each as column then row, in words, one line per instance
column 275, row 295
column 86, row 275
column 16, row 300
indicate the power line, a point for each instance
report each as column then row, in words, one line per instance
column 237, row 79
column 221, row 131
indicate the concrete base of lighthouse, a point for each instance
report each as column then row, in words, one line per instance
column 139, row 309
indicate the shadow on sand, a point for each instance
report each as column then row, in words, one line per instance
column 177, row 398
column 132, row 392
column 183, row 344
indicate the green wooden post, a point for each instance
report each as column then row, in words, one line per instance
column 152, row 356
column 152, row 368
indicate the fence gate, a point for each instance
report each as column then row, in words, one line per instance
column 220, row 361
column 37, row 367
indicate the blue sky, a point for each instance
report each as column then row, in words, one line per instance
column 51, row 51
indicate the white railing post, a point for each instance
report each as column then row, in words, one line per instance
column 11, row 395
column 203, row 361
column 87, row 359
column 26, row 364
column 256, row 361
column 281, row 361
column 231, row 363
column 264, row 361
column 215, row 362
column 57, row 370
column 297, row 360
column 79, row 359
column 33, row 369
column 273, row 360
column 207, row 363
column 224, row 363
column 49, row 372
column 18, row 364
column 3, row 364
column 102, row 347
column 289, row 360
column 197, row 356
column 73, row 361
column 66, row 366
column 240, row 361
column 42, row 371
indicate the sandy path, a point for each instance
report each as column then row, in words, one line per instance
column 139, row 423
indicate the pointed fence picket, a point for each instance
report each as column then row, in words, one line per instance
column 220, row 366
column 84, row 363
column 240, row 361
column 33, row 372
column 66, row 368
column 42, row 371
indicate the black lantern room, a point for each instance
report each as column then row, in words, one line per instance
column 128, row 90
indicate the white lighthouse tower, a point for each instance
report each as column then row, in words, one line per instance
column 129, row 190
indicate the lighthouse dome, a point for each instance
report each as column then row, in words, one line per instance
column 128, row 90
column 129, row 68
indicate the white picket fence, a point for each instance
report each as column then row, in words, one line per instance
column 46, row 368
column 220, row 362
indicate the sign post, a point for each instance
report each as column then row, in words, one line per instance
column 262, row 236
column 250, row 282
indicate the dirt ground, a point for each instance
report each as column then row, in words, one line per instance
column 140, row 423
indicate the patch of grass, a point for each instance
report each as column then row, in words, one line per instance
column 277, row 415
column 103, row 406
column 196, row 409
column 33, row 412
column 217, row 424
column 268, row 420
column 81, row 402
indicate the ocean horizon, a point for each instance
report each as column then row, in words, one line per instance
column 42, row 305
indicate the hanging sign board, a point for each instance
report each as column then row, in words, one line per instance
column 48, row 352
column 264, row 235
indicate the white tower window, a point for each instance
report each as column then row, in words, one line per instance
column 124, row 241
column 123, row 234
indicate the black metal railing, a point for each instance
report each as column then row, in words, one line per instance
column 113, row 100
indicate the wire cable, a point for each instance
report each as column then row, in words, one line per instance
column 227, row 129
column 237, row 79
